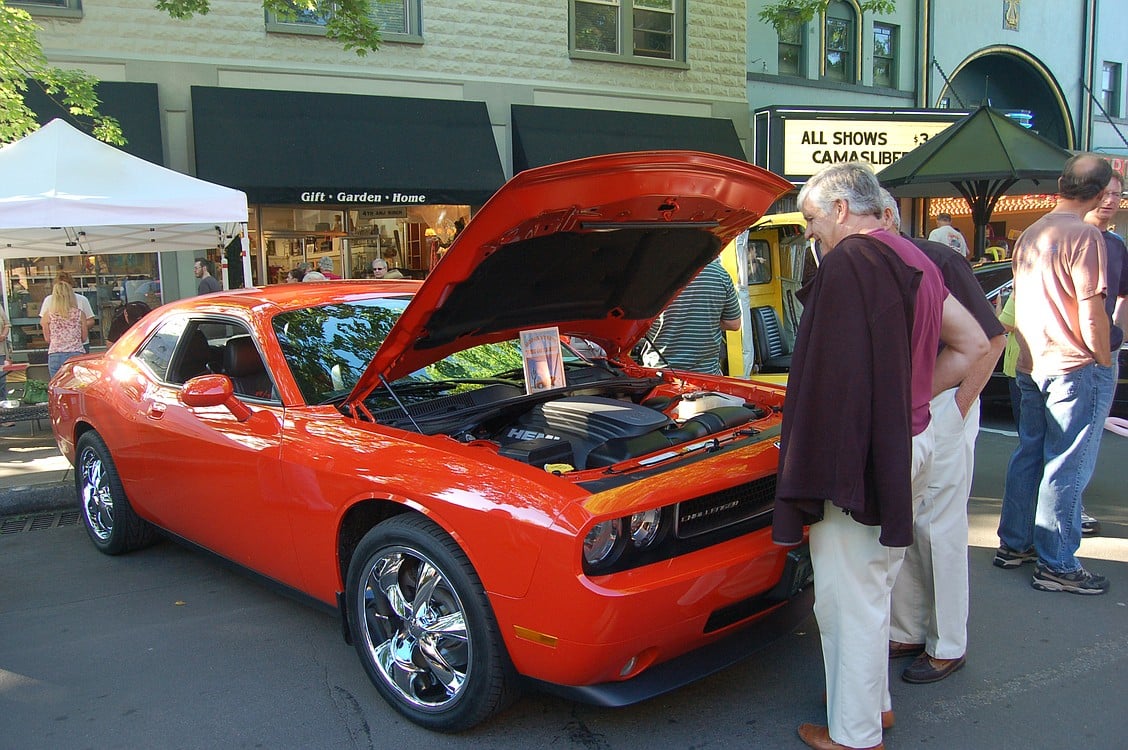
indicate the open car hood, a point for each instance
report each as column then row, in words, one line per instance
column 596, row 246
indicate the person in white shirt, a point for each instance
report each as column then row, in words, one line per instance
column 80, row 301
column 946, row 234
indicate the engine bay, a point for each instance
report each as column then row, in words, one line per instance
column 588, row 425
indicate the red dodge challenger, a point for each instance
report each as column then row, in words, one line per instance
column 471, row 469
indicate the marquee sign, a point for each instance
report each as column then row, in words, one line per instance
column 796, row 142
column 810, row 145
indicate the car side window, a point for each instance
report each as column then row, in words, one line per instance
column 222, row 346
column 158, row 351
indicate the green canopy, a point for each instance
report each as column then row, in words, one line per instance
column 980, row 158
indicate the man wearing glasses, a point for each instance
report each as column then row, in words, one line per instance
column 380, row 270
column 208, row 283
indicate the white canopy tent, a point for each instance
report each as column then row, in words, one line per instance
column 65, row 193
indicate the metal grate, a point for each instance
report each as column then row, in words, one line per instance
column 718, row 510
column 38, row 521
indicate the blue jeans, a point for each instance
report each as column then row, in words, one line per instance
column 55, row 360
column 1059, row 432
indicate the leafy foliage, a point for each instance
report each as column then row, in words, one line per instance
column 785, row 13
column 22, row 60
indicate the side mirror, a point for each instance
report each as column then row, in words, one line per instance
column 214, row 390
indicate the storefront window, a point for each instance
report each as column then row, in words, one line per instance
column 344, row 240
column 107, row 281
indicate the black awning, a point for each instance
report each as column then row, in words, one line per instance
column 297, row 147
column 546, row 135
column 134, row 105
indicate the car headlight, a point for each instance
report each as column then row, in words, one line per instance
column 602, row 541
column 644, row 527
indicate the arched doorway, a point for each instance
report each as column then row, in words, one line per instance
column 1012, row 79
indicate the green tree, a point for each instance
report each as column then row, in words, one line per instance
column 21, row 61
column 785, row 13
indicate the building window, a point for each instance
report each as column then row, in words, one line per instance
column 57, row 8
column 399, row 20
column 1110, row 89
column 631, row 30
column 790, row 62
column 885, row 55
column 838, row 43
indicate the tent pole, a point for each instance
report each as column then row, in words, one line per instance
column 245, row 255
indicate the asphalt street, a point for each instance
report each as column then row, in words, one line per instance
column 172, row 648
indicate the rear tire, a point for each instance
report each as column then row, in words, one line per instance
column 424, row 629
column 106, row 513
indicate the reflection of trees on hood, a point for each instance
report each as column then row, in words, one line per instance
column 315, row 340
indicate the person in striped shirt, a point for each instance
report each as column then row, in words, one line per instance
column 688, row 335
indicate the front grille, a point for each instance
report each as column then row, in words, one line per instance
column 728, row 507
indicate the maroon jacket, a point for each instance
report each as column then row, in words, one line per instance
column 847, row 433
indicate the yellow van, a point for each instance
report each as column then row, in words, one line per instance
column 767, row 265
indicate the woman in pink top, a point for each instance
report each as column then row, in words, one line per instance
column 64, row 327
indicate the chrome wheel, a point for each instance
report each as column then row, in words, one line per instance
column 415, row 629
column 106, row 513
column 422, row 625
column 96, row 494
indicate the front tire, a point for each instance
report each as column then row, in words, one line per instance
column 106, row 513
column 424, row 629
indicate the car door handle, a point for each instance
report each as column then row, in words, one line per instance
column 156, row 411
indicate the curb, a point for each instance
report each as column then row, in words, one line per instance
column 37, row 498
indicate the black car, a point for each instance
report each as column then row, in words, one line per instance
column 997, row 279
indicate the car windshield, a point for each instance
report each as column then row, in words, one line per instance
column 328, row 348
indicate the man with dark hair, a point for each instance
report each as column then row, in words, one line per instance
column 1062, row 328
column 208, row 283
column 930, row 597
column 1116, row 269
column 856, row 439
column 688, row 335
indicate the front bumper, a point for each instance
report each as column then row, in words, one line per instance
column 694, row 665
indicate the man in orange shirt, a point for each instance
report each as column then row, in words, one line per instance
column 1063, row 364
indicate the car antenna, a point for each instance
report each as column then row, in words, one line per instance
column 396, row 398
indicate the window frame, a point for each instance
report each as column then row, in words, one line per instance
column 800, row 47
column 413, row 8
column 1111, row 73
column 627, row 52
column 851, row 65
column 892, row 58
column 63, row 9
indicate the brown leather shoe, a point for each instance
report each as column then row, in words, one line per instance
column 898, row 649
column 927, row 669
column 888, row 718
column 819, row 738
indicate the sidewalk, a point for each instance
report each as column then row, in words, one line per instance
column 34, row 476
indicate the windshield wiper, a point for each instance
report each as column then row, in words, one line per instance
column 414, row 386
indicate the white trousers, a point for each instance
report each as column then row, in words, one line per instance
column 930, row 597
column 853, row 577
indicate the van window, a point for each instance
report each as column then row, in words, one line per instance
column 759, row 262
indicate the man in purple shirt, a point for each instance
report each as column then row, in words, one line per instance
column 879, row 293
